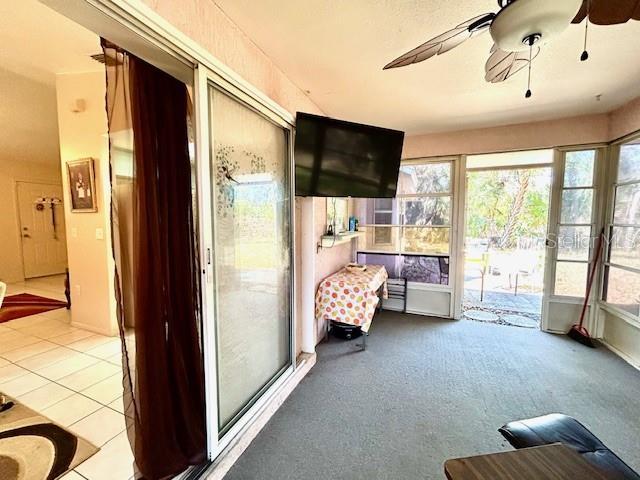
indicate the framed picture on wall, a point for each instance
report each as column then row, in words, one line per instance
column 82, row 185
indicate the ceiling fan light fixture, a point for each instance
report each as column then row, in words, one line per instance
column 518, row 20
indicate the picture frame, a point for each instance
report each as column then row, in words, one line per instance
column 82, row 185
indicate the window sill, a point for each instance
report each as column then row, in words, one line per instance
column 621, row 314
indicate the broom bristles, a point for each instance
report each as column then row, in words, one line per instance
column 581, row 335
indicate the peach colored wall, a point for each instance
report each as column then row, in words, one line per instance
column 600, row 128
column 205, row 23
column 328, row 260
column 524, row 136
column 91, row 267
column 625, row 120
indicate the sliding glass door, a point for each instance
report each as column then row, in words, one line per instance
column 251, row 197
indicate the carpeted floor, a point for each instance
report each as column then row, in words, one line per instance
column 427, row 390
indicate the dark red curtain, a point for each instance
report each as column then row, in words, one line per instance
column 164, row 378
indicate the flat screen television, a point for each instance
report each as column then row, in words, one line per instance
column 334, row 158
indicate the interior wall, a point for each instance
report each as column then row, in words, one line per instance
column 622, row 336
column 91, row 266
column 600, row 128
column 624, row 120
column 28, row 152
column 524, row 136
column 328, row 260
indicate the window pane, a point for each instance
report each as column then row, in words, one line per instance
column 573, row 243
column 424, row 269
column 391, row 262
column 379, row 239
column 578, row 168
column 576, row 206
column 629, row 164
column 627, row 208
column 251, row 254
column 622, row 289
column 571, row 279
column 383, row 218
column 425, row 240
column 510, row 159
column 415, row 268
column 427, row 211
column 427, row 178
column 383, row 203
column 625, row 246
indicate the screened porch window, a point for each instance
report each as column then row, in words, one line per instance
column 622, row 266
column 411, row 234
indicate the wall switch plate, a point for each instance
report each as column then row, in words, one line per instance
column 74, row 232
column 99, row 234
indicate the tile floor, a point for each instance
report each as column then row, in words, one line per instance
column 69, row 375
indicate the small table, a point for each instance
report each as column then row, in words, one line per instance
column 351, row 296
column 548, row 462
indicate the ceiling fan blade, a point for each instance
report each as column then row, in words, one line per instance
column 443, row 42
column 502, row 65
column 607, row 12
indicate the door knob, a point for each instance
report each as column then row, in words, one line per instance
column 26, row 235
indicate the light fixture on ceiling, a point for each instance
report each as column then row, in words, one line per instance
column 520, row 19
column 519, row 29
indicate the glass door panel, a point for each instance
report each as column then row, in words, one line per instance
column 570, row 238
column 251, row 217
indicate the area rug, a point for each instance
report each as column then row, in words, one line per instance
column 34, row 448
column 25, row 304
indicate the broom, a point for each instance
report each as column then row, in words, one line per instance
column 578, row 332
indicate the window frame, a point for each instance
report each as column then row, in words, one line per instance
column 592, row 224
column 455, row 162
column 398, row 215
column 610, row 224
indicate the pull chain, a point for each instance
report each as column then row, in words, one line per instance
column 528, row 94
column 585, row 54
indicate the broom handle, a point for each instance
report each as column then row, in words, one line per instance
column 592, row 274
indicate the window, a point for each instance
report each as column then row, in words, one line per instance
column 575, row 230
column 622, row 266
column 383, row 215
column 416, row 225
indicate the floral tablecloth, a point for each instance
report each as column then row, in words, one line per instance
column 350, row 297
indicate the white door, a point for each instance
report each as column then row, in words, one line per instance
column 42, row 229
column 571, row 239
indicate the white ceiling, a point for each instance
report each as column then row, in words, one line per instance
column 335, row 49
column 38, row 43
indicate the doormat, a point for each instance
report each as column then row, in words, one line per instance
column 25, row 304
column 32, row 447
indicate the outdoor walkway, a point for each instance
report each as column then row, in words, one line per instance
column 530, row 303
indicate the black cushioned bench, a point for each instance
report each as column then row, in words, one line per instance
column 567, row 430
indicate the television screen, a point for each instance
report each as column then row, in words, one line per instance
column 334, row 158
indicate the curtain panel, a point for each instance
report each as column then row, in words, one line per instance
column 157, row 270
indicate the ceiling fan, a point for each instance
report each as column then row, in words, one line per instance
column 518, row 30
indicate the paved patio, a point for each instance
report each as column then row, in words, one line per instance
column 527, row 303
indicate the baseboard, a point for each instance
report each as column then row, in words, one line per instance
column 231, row 454
column 93, row 328
column 630, row 360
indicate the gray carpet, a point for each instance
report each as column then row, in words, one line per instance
column 427, row 390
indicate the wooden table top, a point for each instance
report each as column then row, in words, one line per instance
column 548, row 462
